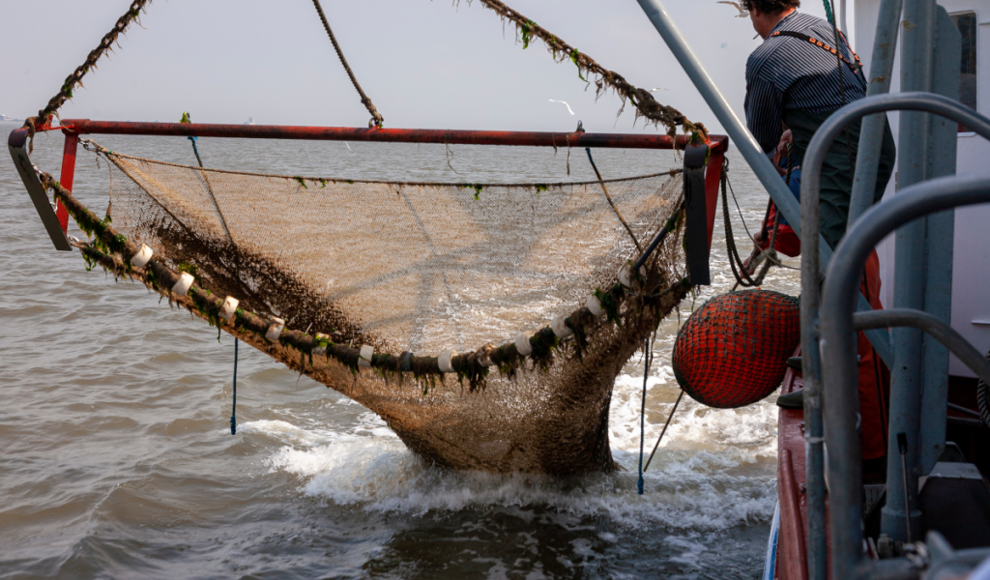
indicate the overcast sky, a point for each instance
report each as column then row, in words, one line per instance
column 425, row 64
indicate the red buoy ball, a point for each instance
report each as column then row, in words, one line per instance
column 733, row 351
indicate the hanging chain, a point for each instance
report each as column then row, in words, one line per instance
column 646, row 106
column 376, row 118
column 75, row 79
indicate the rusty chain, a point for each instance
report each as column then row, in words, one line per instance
column 376, row 118
column 75, row 79
column 646, row 106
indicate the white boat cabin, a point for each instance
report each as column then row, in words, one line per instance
column 971, row 264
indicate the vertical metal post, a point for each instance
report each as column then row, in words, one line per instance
column 909, row 276
column 811, row 365
column 871, row 135
column 941, row 160
column 67, row 176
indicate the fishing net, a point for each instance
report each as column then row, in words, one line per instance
column 400, row 277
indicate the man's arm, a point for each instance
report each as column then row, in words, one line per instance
column 764, row 113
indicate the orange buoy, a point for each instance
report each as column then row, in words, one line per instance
column 733, row 351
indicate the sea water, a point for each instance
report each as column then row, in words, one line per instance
column 118, row 461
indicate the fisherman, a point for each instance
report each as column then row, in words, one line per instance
column 803, row 72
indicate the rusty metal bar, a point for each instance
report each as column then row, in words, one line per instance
column 67, row 177
column 720, row 143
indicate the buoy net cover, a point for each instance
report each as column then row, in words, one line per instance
column 733, row 351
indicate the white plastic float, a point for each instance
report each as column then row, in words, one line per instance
column 275, row 329
column 182, row 286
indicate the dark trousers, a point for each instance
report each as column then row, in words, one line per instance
column 838, row 169
column 836, row 187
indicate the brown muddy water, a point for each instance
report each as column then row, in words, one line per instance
column 118, row 461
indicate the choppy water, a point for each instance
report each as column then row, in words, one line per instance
column 117, row 460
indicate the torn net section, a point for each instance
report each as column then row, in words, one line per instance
column 424, row 268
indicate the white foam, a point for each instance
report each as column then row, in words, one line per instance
column 694, row 425
column 281, row 430
column 714, row 470
column 691, row 551
column 689, row 490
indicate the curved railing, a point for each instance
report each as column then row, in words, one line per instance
column 838, row 344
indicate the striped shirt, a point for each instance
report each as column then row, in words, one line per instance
column 787, row 73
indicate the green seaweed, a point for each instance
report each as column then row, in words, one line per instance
column 190, row 269
column 610, row 305
column 544, row 345
column 527, row 33
column 574, row 58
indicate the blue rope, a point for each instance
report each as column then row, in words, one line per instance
column 233, row 408
column 195, row 150
column 642, row 415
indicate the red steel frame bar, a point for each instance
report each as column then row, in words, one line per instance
column 67, row 177
column 719, row 144
column 713, row 178
column 73, row 128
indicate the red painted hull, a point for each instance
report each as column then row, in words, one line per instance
column 792, row 544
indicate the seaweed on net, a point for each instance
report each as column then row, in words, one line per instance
column 415, row 273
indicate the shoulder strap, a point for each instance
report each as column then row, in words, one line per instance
column 856, row 68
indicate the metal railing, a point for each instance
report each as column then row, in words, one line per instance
column 838, row 348
column 810, row 299
column 838, row 345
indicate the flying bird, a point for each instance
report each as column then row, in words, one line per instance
column 656, row 89
column 743, row 13
column 565, row 104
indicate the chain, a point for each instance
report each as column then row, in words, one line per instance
column 642, row 99
column 376, row 118
column 75, row 79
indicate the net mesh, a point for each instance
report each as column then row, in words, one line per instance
column 732, row 351
column 425, row 268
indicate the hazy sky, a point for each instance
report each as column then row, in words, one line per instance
column 430, row 64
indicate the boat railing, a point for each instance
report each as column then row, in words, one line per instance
column 830, row 371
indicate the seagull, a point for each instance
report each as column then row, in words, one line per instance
column 565, row 104
column 656, row 89
column 743, row 13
